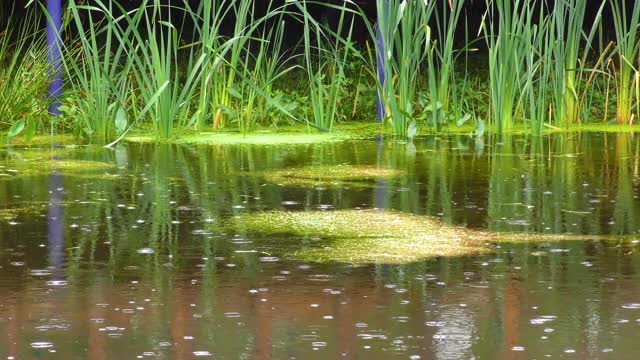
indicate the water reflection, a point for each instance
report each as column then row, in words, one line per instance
column 152, row 273
column 55, row 229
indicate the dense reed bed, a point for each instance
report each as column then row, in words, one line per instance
column 227, row 65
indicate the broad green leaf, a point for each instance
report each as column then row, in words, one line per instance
column 16, row 129
column 463, row 120
column 413, row 130
column 480, row 128
column 121, row 121
column 234, row 92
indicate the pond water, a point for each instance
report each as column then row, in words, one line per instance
column 128, row 253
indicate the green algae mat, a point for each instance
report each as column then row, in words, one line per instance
column 334, row 175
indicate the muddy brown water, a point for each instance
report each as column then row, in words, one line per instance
column 127, row 261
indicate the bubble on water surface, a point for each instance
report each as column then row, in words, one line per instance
column 201, row 232
column 56, row 283
column 518, row 348
column 542, row 319
column 269, row 259
column 202, row 353
column 633, row 306
column 40, row 272
column 145, row 251
column 435, row 323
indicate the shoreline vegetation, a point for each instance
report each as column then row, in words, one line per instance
column 135, row 74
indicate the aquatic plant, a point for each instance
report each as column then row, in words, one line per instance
column 568, row 37
column 441, row 58
column 326, row 52
column 507, row 26
column 23, row 76
column 364, row 236
column 99, row 79
column 628, row 44
column 334, row 175
column 401, row 53
column 538, row 61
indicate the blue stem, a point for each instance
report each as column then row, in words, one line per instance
column 380, row 59
column 381, row 78
column 54, row 28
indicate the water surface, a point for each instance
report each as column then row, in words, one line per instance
column 121, row 254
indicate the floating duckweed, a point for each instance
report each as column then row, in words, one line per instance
column 378, row 236
column 256, row 138
column 367, row 236
column 40, row 165
column 350, row 175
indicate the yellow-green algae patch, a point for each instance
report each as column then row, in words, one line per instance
column 281, row 136
column 41, row 140
column 378, row 236
column 333, row 175
column 366, row 236
column 256, row 138
column 24, row 163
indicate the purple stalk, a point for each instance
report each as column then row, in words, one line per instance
column 54, row 28
column 381, row 78
column 380, row 56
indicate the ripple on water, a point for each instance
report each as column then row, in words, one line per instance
column 633, row 306
column 145, row 251
column 269, row 259
column 56, row 283
column 40, row 272
column 41, row 345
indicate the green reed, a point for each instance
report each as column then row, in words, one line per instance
column 628, row 43
column 166, row 75
column 326, row 52
column 507, row 27
column 23, row 76
column 441, row 60
column 538, row 63
column 404, row 30
column 97, row 75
